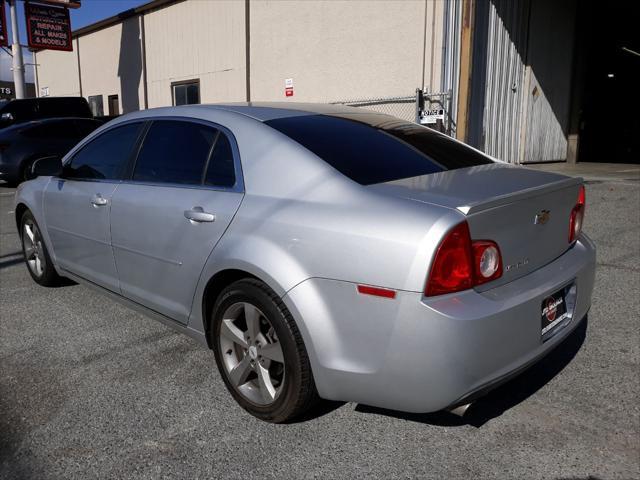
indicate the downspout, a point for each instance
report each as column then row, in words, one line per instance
column 445, row 46
column 35, row 71
column 433, row 42
column 79, row 69
column 424, row 45
column 143, row 46
column 247, row 47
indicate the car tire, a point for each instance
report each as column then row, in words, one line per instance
column 36, row 254
column 269, row 375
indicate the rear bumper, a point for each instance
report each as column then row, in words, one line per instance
column 421, row 354
column 494, row 383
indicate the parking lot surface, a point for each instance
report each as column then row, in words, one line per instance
column 90, row 389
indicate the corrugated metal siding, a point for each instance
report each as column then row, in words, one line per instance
column 549, row 55
column 506, row 46
column 451, row 56
column 545, row 138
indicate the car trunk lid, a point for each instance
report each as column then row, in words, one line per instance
column 526, row 212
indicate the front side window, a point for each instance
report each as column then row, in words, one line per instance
column 174, row 152
column 186, row 93
column 106, row 156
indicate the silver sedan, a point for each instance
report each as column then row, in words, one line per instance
column 321, row 252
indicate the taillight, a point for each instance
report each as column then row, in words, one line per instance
column 461, row 264
column 487, row 261
column 577, row 216
column 451, row 270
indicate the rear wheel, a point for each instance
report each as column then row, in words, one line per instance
column 36, row 255
column 260, row 353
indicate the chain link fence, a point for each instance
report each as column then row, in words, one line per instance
column 403, row 107
column 432, row 109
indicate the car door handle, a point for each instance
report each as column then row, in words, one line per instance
column 197, row 214
column 99, row 201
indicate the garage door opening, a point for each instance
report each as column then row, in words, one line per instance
column 606, row 80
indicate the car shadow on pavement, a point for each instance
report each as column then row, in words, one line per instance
column 11, row 259
column 322, row 408
column 16, row 258
column 506, row 396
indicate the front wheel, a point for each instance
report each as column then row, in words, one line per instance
column 260, row 353
column 36, row 255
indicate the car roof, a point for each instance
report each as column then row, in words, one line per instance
column 264, row 111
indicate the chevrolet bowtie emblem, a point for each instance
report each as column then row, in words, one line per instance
column 542, row 217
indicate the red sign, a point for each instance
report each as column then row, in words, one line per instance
column 64, row 3
column 288, row 92
column 48, row 27
column 4, row 34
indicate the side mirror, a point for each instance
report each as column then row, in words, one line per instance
column 6, row 119
column 46, row 166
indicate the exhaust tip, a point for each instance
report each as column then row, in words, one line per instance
column 460, row 410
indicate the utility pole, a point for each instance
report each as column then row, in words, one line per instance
column 16, row 50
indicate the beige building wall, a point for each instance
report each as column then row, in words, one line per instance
column 111, row 63
column 58, row 72
column 342, row 50
column 196, row 39
column 334, row 50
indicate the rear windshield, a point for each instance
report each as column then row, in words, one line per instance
column 374, row 148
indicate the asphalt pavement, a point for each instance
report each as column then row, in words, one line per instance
column 90, row 389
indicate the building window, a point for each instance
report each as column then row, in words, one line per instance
column 186, row 93
column 96, row 105
column 114, row 105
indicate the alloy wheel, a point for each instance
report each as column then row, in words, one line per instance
column 251, row 353
column 33, row 248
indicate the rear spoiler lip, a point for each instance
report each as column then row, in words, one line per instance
column 508, row 198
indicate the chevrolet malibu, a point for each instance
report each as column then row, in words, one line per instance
column 320, row 252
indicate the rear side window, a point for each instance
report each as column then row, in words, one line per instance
column 373, row 148
column 174, row 152
column 105, row 156
column 221, row 171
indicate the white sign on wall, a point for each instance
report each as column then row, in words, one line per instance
column 44, row 91
column 288, row 87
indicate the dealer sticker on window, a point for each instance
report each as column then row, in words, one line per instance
column 554, row 311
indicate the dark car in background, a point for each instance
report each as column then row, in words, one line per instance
column 22, row 144
column 13, row 112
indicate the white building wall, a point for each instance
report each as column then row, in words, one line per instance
column 197, row 39
column 334, row 50
column 341, row 50
column 57, row 72
column 111, row 64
